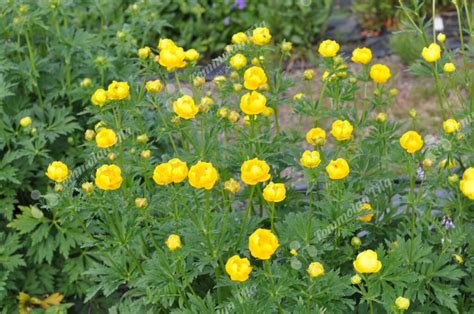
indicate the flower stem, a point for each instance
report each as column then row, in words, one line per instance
column 246, row 217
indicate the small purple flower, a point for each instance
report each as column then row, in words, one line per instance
column 240, row 4
column 226, row 20
column 447, row 222
column 420, row 173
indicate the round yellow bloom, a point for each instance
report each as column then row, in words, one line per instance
column 203, row 175
column 328, row 48
column 315, row 269
column 402, row 303
column 310, row 159
column 239, row 38
column 238, row 268
column 362, row 55
column 105, row 138
column 254, row 77
column 316, row 136
column 191, row 55
column 365, row 207
column 253, row 103
column 232, row 185
column 411, row 141
column 154, row 86
column 166, row 43
column 338, row 169
column 118, row 90
column 99, row 98
column 449, row 67
column 172, row 58
column 441, row 37
column 262, row 244
column 274, row 192
column 185, row 108
column 467, row 183
column 380, row 73
column 25, row 121
column 261, row 36
column 238, row 61
column 173, row 242
column 144, row 53
column 57, row 171
column 367, row 262
column 254, row 171
column 451, row 126
column 432, row 53
column 356, row 279
column 108, row 177
column 342, row 130
column 173, row 171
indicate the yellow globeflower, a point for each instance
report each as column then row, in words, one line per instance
column 154, row 86
column 367, row 262
column 238, row 268
column 144, row 53
column 191, row 55
column 99, row 98
column 310, row 159
column 432, row 53
column 254, row 171
column 362, row 55
column 449, row 67
column 108, row 177
column 173, row 242
column 253, row 103
column 25, row 121
column 467, row 183
column 441, row 37
column 451, row 126
column 315, row 269
column 172, row 58
column 105, row 138
column 232, row 185
column 380, row 73
column 185, row 108
column 261, row 36
column 366, row 207
column 57, row 171
column 342, row 130
column 254, row 77
column 166, row 43
column 411, row 141
column 338, row 169
column 240, row 38
column 316, row 136
column 402, row 303
column 173, row 171
column 238, row 61
column 274, row 192
column 202, row 175
column 328, row 48
column 118, row 90
column 262, row 244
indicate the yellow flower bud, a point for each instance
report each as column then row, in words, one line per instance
column 142, row 138
column 427, row 163
column 87, row 187
column 308, row 74
column 144, row 53
column 111, row 156
column 86, row 82
column 58, row 187
column 223, row 112
column 237, row 87
column 393, row 92
column 381, row 117
column 154, row 86
column 315, row 269
column 286, row 46
column 141, row 202
column 191, row 55
column 232, row 186
column 173, row 242
column 233, row 116
column 449, row 67
column 441, row 37
column 356, row 279
column 458, row 259
column 25, row 121
column 356, row 242
column 298, row 96
column 453, row 178
column 294, row 252
column 268, row 112
column 218, row 80
column 89, row 135
column 199, row 81
column 451, row 126
column 145, row 154
column 365, row 207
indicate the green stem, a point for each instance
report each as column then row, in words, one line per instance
column 246, row 217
